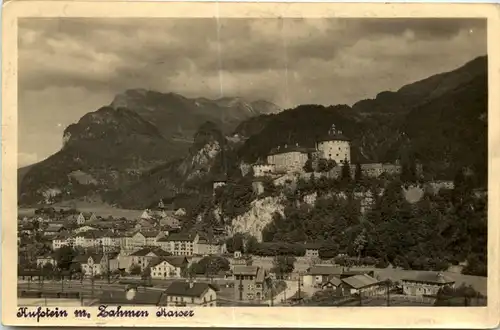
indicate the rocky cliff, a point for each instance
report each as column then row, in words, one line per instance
column 260, row 215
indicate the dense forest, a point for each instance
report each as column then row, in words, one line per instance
column 437, row 231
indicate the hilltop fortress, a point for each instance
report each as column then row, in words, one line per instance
column 334, row 149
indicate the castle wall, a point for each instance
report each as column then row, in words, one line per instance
column 293, row 161
column 263, row 169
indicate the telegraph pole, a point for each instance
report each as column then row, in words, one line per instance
column 387, row 283
column 240, row 287
column 272, row 293
column 299, row 286
column 92, row 281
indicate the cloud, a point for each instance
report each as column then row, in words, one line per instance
column 71, row 66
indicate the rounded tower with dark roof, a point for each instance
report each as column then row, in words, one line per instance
column 334, row 146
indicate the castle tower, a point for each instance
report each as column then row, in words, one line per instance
column 334, row 146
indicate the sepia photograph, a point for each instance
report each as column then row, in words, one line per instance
column 223, row 161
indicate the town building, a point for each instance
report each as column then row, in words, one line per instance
column 83, row 229
column 182, row 244
column 191, row 294
column 249, row 282
column 146, row 224
column 47, row 259
column 168, row 267
column 206, row 246
column 180, row 212
column 143, row 238
column 312, row 250
column 319, row 274
column 170, row 221
column 93, row 264
column 427, row 283
column 83, row 218
column 333, row 284
column 143, row 257
column 61, row 240
column 361, row 284
column 53, row 230
column 218, row 182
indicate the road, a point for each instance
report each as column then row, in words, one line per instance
column 291, row 289
column 76, row 286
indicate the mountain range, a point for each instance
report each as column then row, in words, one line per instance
column 147, row 145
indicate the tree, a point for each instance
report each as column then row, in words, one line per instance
column 358, row 174
column 324, row 165
column 346, row 171
column 76, row 268
column 359, row 243
column 235, row 243
column 212, row 265
column 283, row 265
column 308, row 166
column 251, row 244
column 48, row 270
column 135, row 269
column 146, row 274
column 328, row 251
column 190, row 272
column 64, row 257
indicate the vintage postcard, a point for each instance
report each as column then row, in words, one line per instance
column 250, row 164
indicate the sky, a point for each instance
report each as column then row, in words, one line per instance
column 69, row 67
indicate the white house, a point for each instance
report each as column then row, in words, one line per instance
column 183, row 244
column 181, row 293
column 62, row 240
column 319, row 274
column 46, row 259
column 427, row 283
column 143, row 257
column 85, row 217
column 93, row 264
column 167, row 267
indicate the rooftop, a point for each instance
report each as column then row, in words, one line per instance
column 287, row 148
column 176, row 261
column 181, row 237
column 333, row 137
column 245, row 270
column 140, row 298
column 145, row 251
column 429, row 277
column 360, row 281
column 84, row 258
column 334, row 280
column 325, row 270
column 184, row 289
